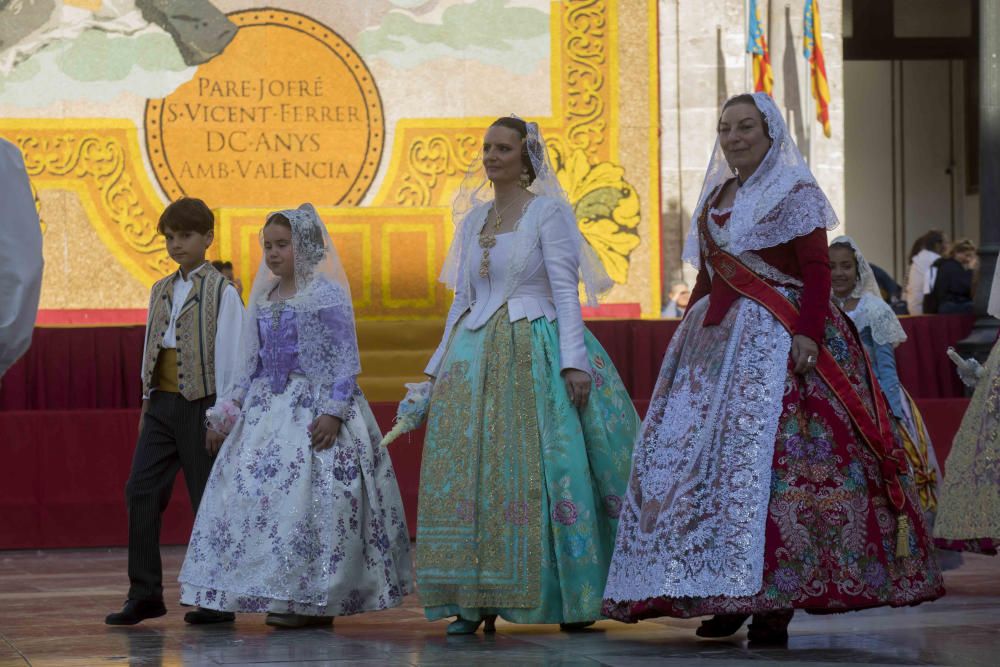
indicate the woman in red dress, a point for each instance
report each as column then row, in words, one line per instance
column 767, row 476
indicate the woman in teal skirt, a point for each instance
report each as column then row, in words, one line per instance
column 530, row 430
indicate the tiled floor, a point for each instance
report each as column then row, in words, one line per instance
column 52, row 606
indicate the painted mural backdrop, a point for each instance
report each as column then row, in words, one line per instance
column 372, row 111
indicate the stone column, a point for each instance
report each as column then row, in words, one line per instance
column 983, row 336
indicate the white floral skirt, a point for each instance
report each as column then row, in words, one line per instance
column 284, row 528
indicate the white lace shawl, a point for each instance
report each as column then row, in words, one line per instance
column 327, row 341
column 872, row 312
column 780, row 201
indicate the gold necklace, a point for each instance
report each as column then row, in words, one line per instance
column 488, row 238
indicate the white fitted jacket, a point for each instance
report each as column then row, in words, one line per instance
column 534, row 270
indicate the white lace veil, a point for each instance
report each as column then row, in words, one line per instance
column 779, row 202
column 327, row 341
column 472, row 202
column 872, row 311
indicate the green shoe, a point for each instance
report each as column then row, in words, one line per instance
column 461, row 626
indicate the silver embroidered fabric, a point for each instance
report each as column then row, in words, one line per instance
column 693, row 519
column 757, row 264
column 285, row 528
column 780, row 201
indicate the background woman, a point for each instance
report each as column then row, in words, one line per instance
column 954, row 280
column 969, row 512
column 856, row 293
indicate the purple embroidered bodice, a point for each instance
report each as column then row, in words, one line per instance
column 277, row 329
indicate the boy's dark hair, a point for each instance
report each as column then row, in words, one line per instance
column 220, row 265
column 187, row 214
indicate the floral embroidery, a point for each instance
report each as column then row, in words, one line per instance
column 613, row 505
column 516, row 512
column 288, row 529
column 565, row 512
column 830, row 535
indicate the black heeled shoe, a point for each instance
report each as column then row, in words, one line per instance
column 575, row 627
column 770, row 628
column 721, row 625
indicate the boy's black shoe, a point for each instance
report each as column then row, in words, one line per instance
column 135, row 611
column 204, row 616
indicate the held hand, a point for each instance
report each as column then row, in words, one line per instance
column 805, row 352
column 324, row 430
column 213, row 441
column 142, row 413
column 577, row 386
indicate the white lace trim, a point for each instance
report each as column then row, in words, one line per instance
column 693, row 520
column 757, row 264
column 875, row 314
column 872, row 311
column 781, row 201
column 754, row 262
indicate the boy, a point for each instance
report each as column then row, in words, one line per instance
column 194, row 315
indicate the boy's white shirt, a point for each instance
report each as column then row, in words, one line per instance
column 229, row 324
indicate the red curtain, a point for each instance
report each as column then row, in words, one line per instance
column 88, row 368
column 76, row 369
column 68, row 414
column 63, row 479
column 922, row 363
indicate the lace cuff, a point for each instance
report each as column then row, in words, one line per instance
column 336, row 400
column 222, row 416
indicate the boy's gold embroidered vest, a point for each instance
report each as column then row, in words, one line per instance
column 196, row 326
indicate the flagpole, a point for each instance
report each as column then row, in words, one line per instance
column 747, row 56
column 808, row 112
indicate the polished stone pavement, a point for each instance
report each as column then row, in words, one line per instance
column 52, row 606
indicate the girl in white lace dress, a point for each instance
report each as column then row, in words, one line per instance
column 302, row 516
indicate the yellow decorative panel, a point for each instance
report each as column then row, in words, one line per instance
column 296, row 108
column 409, row 253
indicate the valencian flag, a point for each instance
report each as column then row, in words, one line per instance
column 763, row 77
column 812, row 46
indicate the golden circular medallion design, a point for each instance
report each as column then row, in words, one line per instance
column 288, row 113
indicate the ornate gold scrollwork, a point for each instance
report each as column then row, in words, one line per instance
column 99, row 161
column 586, row 49
column 430, row 158
column 431, row 153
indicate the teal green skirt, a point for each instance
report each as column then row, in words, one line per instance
column 519, row 491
